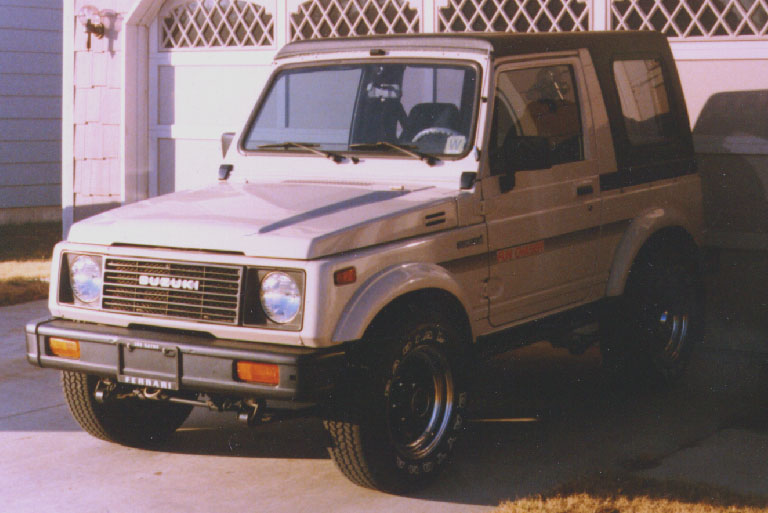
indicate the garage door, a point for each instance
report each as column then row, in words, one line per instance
column 209, row 60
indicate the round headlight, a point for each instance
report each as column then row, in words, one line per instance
column 280, row 297
column 86, row 278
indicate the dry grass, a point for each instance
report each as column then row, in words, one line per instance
column 25, row 254
column 631, row 494
column 28, row 269
column 20, row 290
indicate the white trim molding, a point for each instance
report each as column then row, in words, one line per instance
column 135, row 100
column 68, row 118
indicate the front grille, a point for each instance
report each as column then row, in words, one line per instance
column 202, row 292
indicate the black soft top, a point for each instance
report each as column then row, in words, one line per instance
column 596, row 42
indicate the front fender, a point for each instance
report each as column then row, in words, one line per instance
column 386, row 286
column 640, row 230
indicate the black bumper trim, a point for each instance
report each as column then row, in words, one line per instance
column 204, row 364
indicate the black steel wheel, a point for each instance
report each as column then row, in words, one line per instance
column 126, row 421
column 419, row 401
column 398, row 424
column 649, row 334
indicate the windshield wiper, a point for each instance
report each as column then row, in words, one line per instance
column 406, row 150
column 310, row 147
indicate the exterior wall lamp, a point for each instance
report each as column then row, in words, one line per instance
column 86, row 17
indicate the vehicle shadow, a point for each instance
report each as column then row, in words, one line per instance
column 585, row 427
column 212, row 434
column 542, row 417
column 539, row 374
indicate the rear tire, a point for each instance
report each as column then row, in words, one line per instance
column 649, row 333
column 127, row 421
column 397, row 426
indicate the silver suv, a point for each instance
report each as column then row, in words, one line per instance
column 392, row 205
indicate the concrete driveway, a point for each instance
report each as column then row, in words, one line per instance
column 711, row 428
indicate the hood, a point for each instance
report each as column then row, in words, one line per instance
column 275, row 220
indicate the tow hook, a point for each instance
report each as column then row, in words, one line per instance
column 250, row 412
column 103, row 390
column 152, row 393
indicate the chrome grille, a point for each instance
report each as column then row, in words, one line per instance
column 202, row 292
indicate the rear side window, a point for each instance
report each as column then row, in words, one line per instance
column 644, row 101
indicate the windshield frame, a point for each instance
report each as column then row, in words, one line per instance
column 385, row 154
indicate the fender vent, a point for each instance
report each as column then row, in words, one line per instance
column 434, row 219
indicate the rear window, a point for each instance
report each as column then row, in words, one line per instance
column 644, row 101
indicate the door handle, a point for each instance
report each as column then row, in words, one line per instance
column 583, row 190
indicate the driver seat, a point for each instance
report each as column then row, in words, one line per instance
column 426, row 115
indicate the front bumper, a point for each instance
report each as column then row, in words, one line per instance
column 189, row 362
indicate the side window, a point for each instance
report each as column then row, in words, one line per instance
column 644, row 101
column 536, row 105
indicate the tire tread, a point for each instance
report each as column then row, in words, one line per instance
column 359, row 447
column 80, row 402
column 125, row 421
column 347, row 452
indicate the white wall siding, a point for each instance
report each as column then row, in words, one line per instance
column 92, row 176
column 30, row 109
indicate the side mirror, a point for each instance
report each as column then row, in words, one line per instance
column 226, row 142
column 468, row 179
column 522, row 153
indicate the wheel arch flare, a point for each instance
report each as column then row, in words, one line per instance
column 389, row 287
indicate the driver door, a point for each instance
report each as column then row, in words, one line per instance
column 542, row 193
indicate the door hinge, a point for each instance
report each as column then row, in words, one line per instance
column 482, row 208
column 491, row 288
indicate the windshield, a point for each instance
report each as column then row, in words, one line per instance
column 428, row 108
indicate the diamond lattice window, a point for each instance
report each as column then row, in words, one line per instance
column 217, row 23
column 704, row 19
column 317, row 19
column 513, row 16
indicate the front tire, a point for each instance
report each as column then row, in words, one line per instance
column 399, row 423
column 648, row 334
column 127, row 421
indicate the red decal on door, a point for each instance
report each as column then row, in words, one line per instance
column 526, row 250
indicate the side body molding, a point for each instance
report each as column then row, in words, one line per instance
column 386, row 286
column 642, row 228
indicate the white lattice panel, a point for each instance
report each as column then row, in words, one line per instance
column 705, row 19
column 513, row 16
column 317, row 19
column 217, row 23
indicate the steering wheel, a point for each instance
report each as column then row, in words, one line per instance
column 434, row 130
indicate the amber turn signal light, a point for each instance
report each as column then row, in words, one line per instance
column 64, row 347
column 261, row 373
column 345, row 276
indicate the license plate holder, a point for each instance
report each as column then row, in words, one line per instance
column 149, row 365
